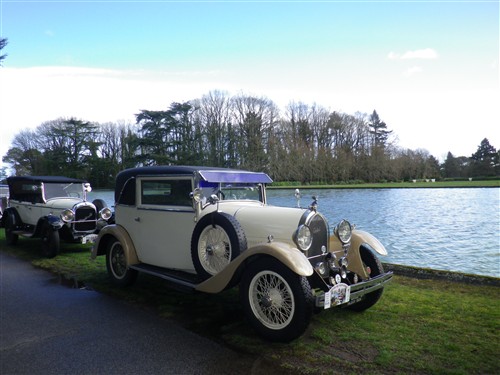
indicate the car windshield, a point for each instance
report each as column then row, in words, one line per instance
column 232, row 191
column 63, row 190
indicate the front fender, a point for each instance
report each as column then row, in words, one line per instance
column 110, row 233
column 358, row 239
column 54, row 221
column 289, row 256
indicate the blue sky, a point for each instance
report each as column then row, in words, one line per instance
column 429, row 68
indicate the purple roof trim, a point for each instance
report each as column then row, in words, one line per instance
column 235, row 176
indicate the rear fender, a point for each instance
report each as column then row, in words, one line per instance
column 16, row 219
column 289, row 256
column 110, row 233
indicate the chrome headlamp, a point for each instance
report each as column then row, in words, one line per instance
column 67, row 216
column 105, row 213
column 344, row 231
column 321, row 269
column 303, row 237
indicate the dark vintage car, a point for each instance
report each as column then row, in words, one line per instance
column 52, row 208
column 208, row 229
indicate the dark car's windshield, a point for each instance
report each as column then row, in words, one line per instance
column 63, row 190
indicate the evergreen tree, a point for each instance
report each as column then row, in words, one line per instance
column 451, row 166
column 485, row 160
column 378, row 129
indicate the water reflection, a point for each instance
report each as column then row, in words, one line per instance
column 447, row 229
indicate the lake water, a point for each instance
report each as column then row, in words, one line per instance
column 444, row 229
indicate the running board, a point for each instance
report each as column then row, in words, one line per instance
column 182, row 280
column 23, row 233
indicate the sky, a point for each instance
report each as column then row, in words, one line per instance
column 429, row 68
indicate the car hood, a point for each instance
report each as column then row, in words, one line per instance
column 259, row 222
column 63, row 203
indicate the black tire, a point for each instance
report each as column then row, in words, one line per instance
column 116, row 264
column 50, row 241
column 217, row 239
column 277, row 302
column 369, row 260
column 99, row 204
column 10, row 238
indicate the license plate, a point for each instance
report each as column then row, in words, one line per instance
column 337, row 295
column 90, row 238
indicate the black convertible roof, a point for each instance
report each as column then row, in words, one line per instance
column 209, row 174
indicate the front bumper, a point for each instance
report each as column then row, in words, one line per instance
column 343, row 294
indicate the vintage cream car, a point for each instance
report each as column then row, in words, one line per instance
column 52, row 208
column 208, row 229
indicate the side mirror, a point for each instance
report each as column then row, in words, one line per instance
column 213, row 199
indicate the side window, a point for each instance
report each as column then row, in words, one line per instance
column 166, row 192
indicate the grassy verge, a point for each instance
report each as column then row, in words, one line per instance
column 420, row 326
column 394, row 185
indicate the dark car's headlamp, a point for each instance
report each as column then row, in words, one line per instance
column 67, row 216
column 105, row 213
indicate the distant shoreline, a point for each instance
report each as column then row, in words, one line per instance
column 394, row 185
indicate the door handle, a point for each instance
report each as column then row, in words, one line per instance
column 137, row 219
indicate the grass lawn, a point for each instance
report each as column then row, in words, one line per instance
column 418, row 326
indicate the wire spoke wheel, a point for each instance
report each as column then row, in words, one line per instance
column 116, row 264
column 277, row 302
column 271, row 299
column 214, row 249
column 117, row 260
column 217, row 239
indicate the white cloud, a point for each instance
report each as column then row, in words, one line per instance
column 425, row 54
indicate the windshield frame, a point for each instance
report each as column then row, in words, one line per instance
column 63, row 190
column 234, row 191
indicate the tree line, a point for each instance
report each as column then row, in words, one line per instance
column 303, row 143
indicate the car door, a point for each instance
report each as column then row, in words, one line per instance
column 163, row 222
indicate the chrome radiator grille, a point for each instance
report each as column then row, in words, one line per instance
column 85, row 219
column 320, row 233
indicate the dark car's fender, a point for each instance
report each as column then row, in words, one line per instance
column 14, row 214
column 54, row 221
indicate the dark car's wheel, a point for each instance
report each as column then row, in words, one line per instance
column 277, row 302
column 217, row 239
column 50, row 241
column 116, row 264
column 369, row 260
column 10, row 237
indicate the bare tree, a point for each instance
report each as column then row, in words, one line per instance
column 3, row 43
